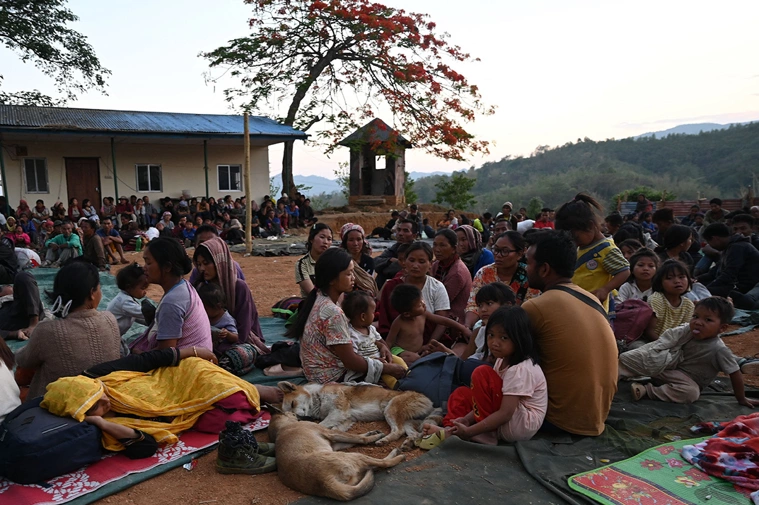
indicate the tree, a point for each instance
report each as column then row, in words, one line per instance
column 37, row 31
column 341, row 61
column 455, row 191
column 534, row 207
column 408, row 189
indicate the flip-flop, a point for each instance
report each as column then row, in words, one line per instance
column 431, row 441
column 638, row 391
column 283, row 371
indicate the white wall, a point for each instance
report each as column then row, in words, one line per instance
column 181, row 167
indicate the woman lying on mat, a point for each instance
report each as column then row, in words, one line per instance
column 136, row 410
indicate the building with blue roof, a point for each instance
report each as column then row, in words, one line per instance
column 59, row 153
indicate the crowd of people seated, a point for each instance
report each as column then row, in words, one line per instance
column 530, row 303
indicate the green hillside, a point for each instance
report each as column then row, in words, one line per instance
column 713, row 164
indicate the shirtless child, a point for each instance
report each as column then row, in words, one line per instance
column 406, row 337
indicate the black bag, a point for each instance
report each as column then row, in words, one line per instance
column 437, row 375
column 282, row 353
column 36, row 446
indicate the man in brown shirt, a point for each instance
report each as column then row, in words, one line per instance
column 578, row 351
column 93, row 250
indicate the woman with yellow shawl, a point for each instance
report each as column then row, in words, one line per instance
column 137, row 407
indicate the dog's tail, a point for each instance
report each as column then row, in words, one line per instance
column 339, row 490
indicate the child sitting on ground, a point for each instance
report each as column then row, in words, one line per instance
column 489, row 298
column 223, row 325
column 704, row 355
column 359, row 307
column 133, row 284
column 406, row 336
column 643, row 265
column 601, row 266
column 506, row 402
column 671, row 308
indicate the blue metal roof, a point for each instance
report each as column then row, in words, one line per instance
column 57, row 119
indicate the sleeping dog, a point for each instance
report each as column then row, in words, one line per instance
column 338, row 406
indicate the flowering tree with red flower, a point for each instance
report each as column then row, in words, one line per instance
column 338, row 62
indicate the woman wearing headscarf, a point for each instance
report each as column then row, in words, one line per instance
column 23, row 209
column 214, row 263
column 353, row 241
column 470, row 250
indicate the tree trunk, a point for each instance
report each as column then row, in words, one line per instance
column 288, row 185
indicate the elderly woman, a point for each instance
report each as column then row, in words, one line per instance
column 470, row 250
column 180, row 320
column 326, row 348
column 214, row 263
column 353, row 241
column 451, row 271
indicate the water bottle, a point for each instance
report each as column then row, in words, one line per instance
column 138, row 244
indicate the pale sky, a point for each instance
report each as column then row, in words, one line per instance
column 556, row 70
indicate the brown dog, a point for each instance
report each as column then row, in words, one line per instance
column 341, row 405
column 307, row 461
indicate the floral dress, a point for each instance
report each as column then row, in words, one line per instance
column 488, row 275
column 326, row 326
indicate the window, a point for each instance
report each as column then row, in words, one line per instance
column 35, row 172
column 230, row 177
column 149, row 178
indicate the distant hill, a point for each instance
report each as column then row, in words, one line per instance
column 689, row 129
column 716, row 163
column 320, row 184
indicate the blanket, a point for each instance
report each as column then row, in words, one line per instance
column 732, row 454
column 186, row 391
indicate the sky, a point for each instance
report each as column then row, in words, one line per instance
column 557, row 70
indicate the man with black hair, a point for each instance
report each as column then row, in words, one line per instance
column 737, row 272
column 715, row 214
column 690, row 219
column 613, row 223
column 387, row 265
column 92, row 247
column 578, row 351
column 543, row 222
column 743, row 224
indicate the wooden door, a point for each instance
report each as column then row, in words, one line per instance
column 83, row 180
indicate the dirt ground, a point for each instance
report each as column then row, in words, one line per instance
column 271, row 279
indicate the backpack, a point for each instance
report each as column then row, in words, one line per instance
column 36, row 446
column 630, row 321
column 437, row 375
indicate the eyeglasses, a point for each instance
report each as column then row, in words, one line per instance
column 497, row 251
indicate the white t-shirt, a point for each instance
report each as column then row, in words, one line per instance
column 631, row 291
column 9, row 392
column 523, row 226
column 435, row 296
column 479, row 342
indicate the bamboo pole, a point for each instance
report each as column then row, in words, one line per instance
column 246, row 177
